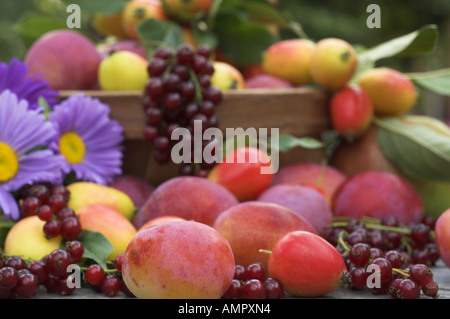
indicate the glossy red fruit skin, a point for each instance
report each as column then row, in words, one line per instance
column 442, row 236
column 306, row 264
column 351, row 111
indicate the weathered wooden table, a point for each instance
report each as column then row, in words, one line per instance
column 441, row 276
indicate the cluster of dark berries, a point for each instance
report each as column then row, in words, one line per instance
column 251, row 282
column 387, row 256
column 178, row 95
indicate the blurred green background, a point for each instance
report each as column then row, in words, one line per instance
column 23, row 21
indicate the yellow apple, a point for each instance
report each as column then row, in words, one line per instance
column 27, row 239
column 123, row 71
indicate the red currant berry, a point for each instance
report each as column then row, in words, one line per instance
column 38, row 268
column 253, row 289
column 274, row 288
column 52, row 228
column 15, row 262
column 8, row 278
column 111, row 285
column 75, row 249
column 421, row 274
column 45, row 213
column 359, row 254
column 408, row 289
column 234, row 291
column 70, row 228
column 57, row 262
column 27, row 285
column 95, row 274
column 255, row 271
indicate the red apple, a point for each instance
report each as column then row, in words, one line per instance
column 306, row 264
column 351, row 111
column 246, row 172
column 442, row 236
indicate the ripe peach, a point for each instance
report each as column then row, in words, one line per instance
column 266, row 81
column 442, row 236
column 227, row 77
column 137, row 188
column 109, row 222
column 333, row 63
column 290, row 60
column 178, row 260
column 66, row 59
column 351, row 111
column 392, row 93
column 185, row 11
column 160, row 220
column 189, row 197
column 254, row 225
column 136, row 11
column 377, row 195
column 326, row 178
column 307, row 265
column 246, row 172
column 304, row 200
column 27, row 239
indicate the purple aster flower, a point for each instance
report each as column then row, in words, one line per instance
column 88, row 138
column 23, row 133
column 14, row 77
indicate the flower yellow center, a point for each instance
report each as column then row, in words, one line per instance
column 9, row 163
column 72, row 147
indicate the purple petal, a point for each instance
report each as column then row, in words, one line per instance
column 9, row 205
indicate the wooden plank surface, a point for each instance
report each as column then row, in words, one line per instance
column 441, row 275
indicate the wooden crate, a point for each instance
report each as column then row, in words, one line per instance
column 300, row 112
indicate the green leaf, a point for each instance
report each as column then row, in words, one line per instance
column 436, row 81
column 288, row 142
column 241, row 40
column 96, row 247
column 32, row 27
column 204, row 37
column 154, row 33
column 418, row 145
column 264, row 12
column 422, row 41
column 107, row 7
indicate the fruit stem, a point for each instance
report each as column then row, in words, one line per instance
column 341, row 241
column 400, row 271
column 388, row 228
column 265, row 251
column 198, row 88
